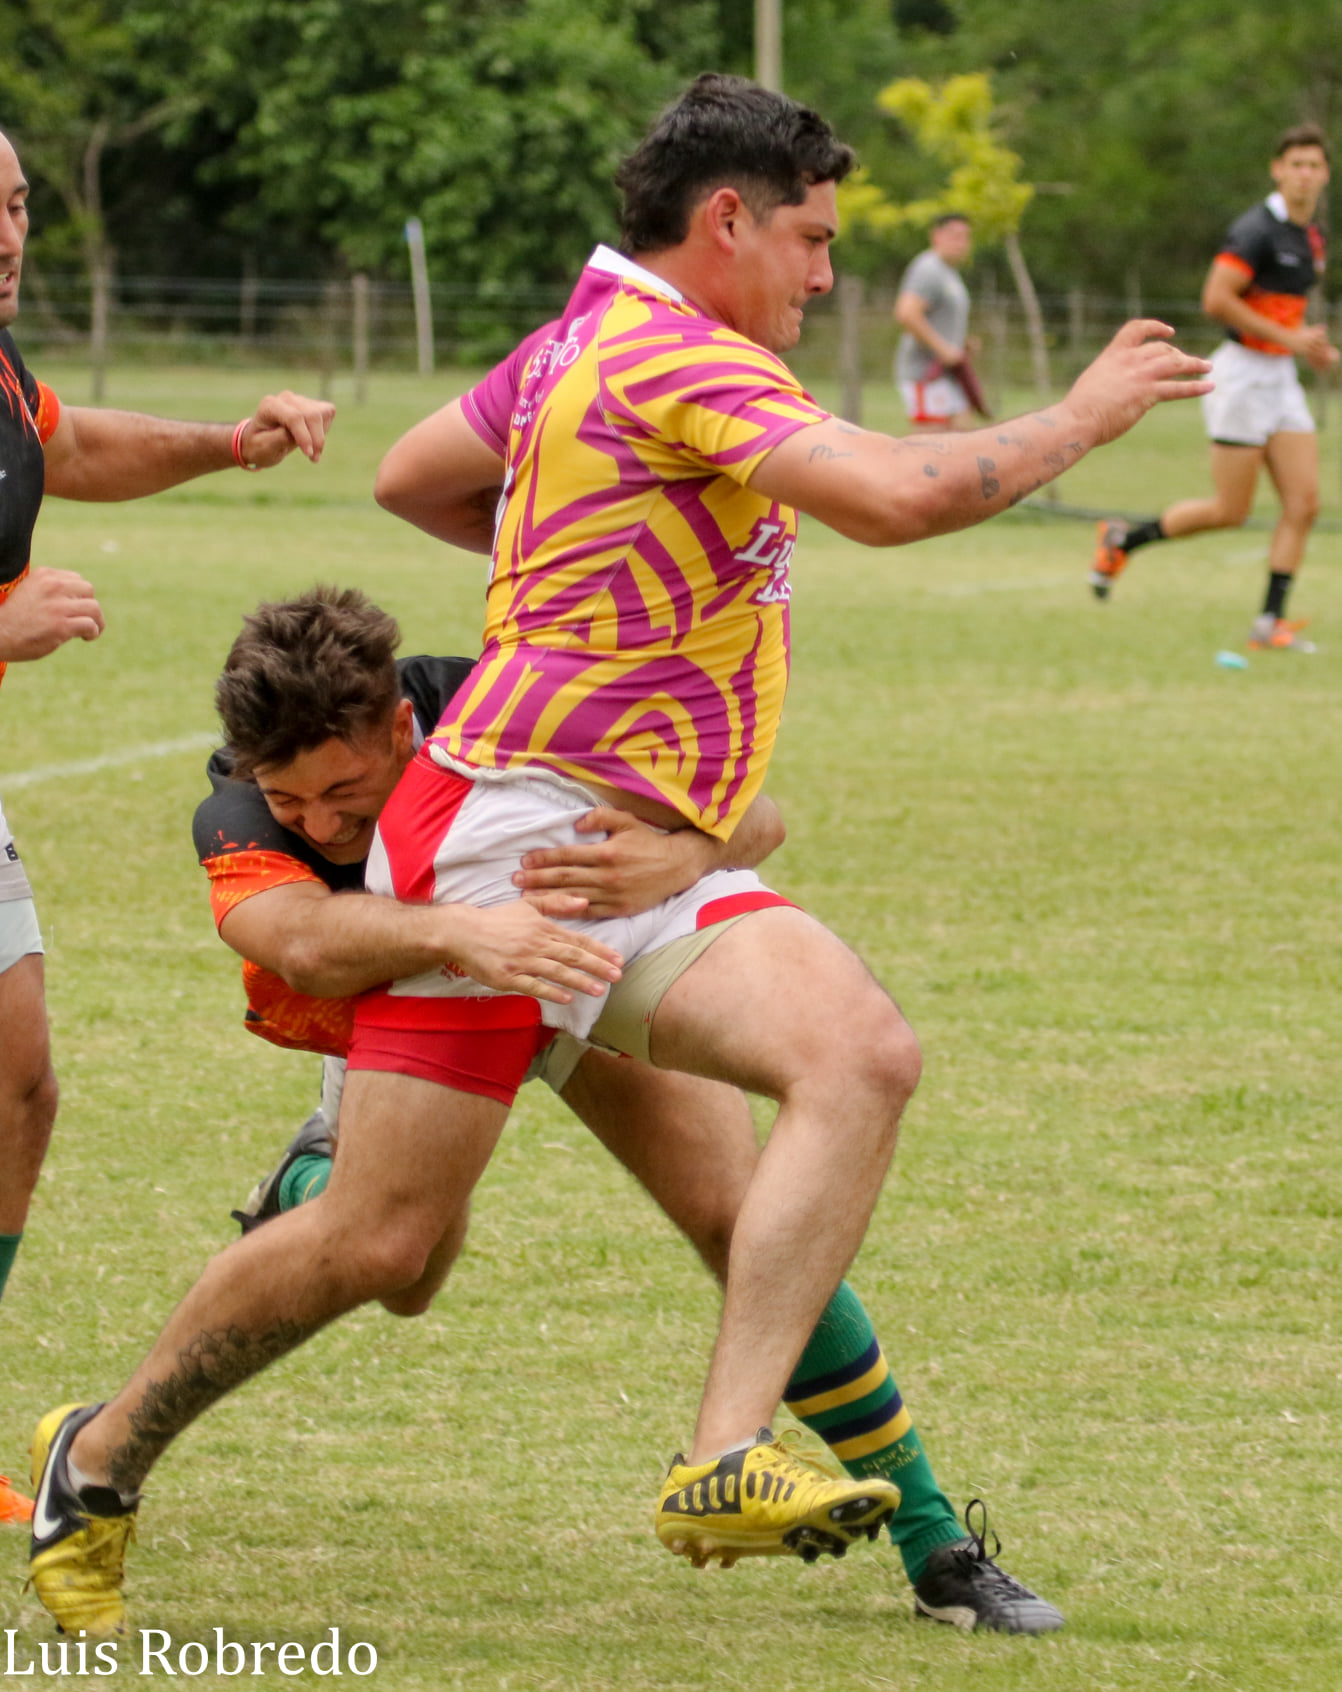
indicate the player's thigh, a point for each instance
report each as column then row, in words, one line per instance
column 1293, row 464
column 25, row 1047
column 411, row 1152
column 777, row 1002
column 688, row 1141
column 1235, row 475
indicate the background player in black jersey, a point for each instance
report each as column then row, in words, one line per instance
column 1257, row 287
column 77, row 453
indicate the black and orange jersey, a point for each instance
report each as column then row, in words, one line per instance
column 1282, row 260
column 244, row 851
column 29, row 412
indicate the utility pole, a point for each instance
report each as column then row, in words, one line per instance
column 769, row 44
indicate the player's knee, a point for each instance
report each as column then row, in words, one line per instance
column 888, row 1060
column 412, row 1302
column 389, row 1264
column 1301, row 510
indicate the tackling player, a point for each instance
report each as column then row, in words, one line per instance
column 1258, row 415
column 317, row 733
column 652, row 451
column 76, row 453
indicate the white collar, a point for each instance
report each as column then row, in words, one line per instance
column 1276, row 204
column 616, row 264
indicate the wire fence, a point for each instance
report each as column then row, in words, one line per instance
column 363, row 326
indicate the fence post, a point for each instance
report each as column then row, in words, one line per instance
column 247, row 298
column 419, row 278
column 1076, row 323
column 99, row 317
column 359, row 285
column 850, row 348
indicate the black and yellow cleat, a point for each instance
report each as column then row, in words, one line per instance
column 78, row 1554
column 763, row 1500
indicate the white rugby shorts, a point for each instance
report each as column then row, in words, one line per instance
column 451, row 834
column 1257, row 395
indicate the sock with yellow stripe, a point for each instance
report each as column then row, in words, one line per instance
column 842, row 1389
column 9, row 1246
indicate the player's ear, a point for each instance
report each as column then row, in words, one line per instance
column 403, row 729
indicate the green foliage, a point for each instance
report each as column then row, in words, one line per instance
column 953, row 125
column 499, row 125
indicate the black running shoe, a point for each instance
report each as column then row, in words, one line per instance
column 963, row 1585
column 313, row 1139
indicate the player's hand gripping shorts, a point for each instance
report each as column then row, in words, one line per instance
column 453, row 835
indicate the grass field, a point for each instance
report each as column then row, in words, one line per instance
column 1102, row 877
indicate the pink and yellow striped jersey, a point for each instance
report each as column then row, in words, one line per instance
column 637, row 616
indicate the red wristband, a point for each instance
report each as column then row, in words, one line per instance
column 238, row 459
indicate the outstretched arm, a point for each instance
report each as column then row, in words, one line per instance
column 331, row 945
column 444, row 479
column 106, row 455
column 636, row 866
column 884, row 492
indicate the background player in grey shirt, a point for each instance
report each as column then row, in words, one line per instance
column 933, row 311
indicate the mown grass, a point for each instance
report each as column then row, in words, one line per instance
column 1100, row 874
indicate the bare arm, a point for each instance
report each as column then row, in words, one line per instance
column 884, row 492
column 444, row 479
column 911, row 314
column 105, row 455
column 1222, row 298
column 636, row 866
column 331, row 945
column 47, row 608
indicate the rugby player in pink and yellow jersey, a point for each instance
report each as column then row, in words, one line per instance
column 635, row 473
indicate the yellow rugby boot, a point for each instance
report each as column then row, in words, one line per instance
column 78, row 1551
column 763, row 1500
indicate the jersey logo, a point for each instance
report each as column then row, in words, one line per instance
column 765, row 551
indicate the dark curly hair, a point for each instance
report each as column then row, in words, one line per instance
column 723, row 132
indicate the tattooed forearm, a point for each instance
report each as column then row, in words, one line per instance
column 988, row 483
column 212, row 1365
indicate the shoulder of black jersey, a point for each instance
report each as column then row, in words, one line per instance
column 430, row 684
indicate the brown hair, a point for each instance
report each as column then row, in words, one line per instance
column 724, row 131
column 1302, row 135
column 308, row 670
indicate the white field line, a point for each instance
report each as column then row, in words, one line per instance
column 109, row 761
column 971, row 590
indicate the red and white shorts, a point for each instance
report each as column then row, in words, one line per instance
column 447, row 836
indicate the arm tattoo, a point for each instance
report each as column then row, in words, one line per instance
column 990, row 485
column 824, row 453
column 212, row 1365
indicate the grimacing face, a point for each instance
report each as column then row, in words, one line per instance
column 332, row 795
column 785, row 264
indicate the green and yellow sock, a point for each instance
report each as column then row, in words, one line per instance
column 9, row 1246
column 303, row 1180
column 842, row 1389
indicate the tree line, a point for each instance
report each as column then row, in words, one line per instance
column 295, row 137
